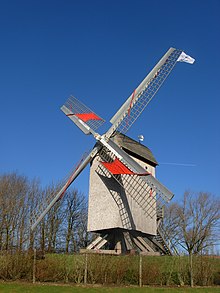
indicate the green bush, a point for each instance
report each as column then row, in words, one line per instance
column 15, row 266
column 110, row 270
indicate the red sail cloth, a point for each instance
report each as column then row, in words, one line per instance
column 88, row 116
column 116, row 167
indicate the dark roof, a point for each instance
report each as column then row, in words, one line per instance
column 134, row 148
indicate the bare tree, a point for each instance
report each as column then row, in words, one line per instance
column 193, row 223
column 50, row 226
column 83, row 236
column 54, row 220
column 34, row 197
column 75, row 204
column 13, row 195
column 63, row 228
column 169, row 227
column 197, row 220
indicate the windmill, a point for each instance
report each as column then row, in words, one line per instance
column 125, row 198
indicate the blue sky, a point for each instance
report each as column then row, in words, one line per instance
column 99, row 51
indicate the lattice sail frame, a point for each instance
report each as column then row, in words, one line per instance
column 145, row 194
column 144, row 93
column 77, row 108
column 51, row 199
column 51, row 196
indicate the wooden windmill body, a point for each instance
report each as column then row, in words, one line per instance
column 113, row 213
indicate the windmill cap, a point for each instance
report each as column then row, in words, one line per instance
column 135, row 149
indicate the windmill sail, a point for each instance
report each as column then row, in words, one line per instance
column 144, row 93
column 135, row 176
column 137, row 169
column 51, row 199
column 143, row 188
column 82, row 116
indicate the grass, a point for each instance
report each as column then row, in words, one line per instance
column 11, row 287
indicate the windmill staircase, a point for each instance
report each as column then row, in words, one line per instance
column 159, row 240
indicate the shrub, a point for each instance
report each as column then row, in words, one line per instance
column 110, row 270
